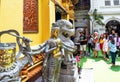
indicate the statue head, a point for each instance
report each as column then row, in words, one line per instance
column 54, row 30
column 66, row 27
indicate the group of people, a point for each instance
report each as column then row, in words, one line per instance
column 108, row 44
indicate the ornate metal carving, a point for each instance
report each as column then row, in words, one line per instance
column 53, row 57
column 69, row 71
column 11, row 65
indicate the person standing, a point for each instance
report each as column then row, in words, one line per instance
column 90, row 43
column 117, row 42
column 105, row 46
column 112, row 49
column 83, row 43
column 101, row 42
column 113, row 33
column 96, row 43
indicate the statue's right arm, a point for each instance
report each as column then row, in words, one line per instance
column 37, row 52
column 38, row 49
column 48, row 49
column 46, row 55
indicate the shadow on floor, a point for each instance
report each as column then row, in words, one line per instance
column 115, row 68
column 118, row 59
column 96, row 59
column 100, row 57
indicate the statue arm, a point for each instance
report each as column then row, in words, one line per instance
column 37, row 51
column 46, row 55
column 63, row 51
column 38, row 47
column 68, row 48
column 48, row 49
column 72, row 47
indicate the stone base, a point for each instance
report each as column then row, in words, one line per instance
column 69, row 77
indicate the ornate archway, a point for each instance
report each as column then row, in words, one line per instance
column 113, row 25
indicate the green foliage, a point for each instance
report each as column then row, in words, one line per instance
column 95, row 16
column 98, row 18
column 86, row 16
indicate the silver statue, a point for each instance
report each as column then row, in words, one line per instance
column 55, row 49
column 10, row 63
column 66, row 31
column 53, row 56
column 10, row 66
column 69, row 69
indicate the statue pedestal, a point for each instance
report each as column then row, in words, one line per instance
column 69, row 75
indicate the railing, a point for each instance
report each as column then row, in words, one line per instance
column 32, row 72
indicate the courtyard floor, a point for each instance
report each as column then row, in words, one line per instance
column 102, row 71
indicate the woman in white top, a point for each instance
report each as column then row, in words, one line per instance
column 105, row 46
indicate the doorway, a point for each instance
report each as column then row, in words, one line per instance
column 58, row 16
column 113, row 25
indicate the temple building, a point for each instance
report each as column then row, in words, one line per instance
column 110, row 10
column 81, row 9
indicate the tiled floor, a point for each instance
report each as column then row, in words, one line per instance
column 102, row 69
column 86, row 75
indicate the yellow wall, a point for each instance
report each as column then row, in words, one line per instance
column 45, row 20
column 52, row 12
column 11, row 17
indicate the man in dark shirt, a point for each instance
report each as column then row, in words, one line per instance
column 83, row 43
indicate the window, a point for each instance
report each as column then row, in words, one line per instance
column 83, row 5
column 30, row 19
column 107, row 3
column 116, row 2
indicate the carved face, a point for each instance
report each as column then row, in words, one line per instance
column 54, row 33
